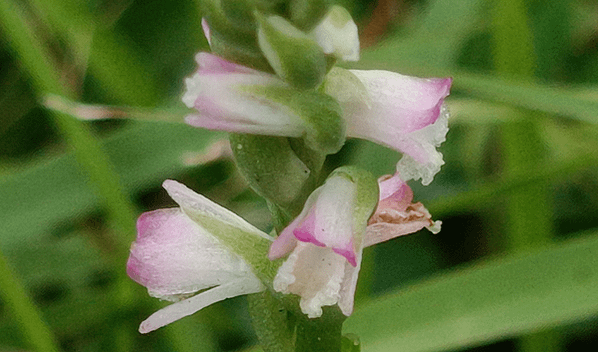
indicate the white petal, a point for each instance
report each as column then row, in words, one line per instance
column 349, row 285
column 337, row 34
column 313, row 273
column 425, row 142
column 334, row 213
column 191, row 305
column 173, row 256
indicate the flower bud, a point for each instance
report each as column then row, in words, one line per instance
column 293, row 55
column 337, row 34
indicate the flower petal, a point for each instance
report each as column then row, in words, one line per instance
column 393, row 92
column 337, row 34
column 285, row 242
column 404, row 113
column 389, row 223
column 206, row 30
column 349, row 285
column 178, row 310
column 394, row 193
column 421, row 159
column 313, row 273
column 329, row 222
column 173, row 256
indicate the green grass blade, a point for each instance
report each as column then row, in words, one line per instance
column 35, row 331
column 498, row 298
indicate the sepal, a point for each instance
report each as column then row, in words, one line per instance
column 305, row 14
column 293, row 55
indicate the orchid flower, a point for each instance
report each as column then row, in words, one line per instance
column 177, row 254
column 326, row 240
column 219, row 92
column 404, row 113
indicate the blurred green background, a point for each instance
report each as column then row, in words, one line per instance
column 515, row 267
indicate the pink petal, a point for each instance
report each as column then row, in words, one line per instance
column 217, row 92
column 285, row 242
column 173, row 256
column 404, row 113
column 213, row 64
column 394, row 93
column 389, row 223
column 305, row 231
column 394, row 193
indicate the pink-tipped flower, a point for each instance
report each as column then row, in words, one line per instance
column 404, row 113
column 223, row 93
column 234, row 98
column 326, row 240
column 181, row 251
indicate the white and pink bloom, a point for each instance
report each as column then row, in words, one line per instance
column 220, row 92
column 404, row 113
column 326, row 240
column 175, row 257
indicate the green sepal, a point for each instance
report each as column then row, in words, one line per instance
column 233, row 40
column 325, row 128
column 293, row 55
column 305, row 14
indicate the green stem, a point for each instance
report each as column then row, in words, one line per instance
column 35, row 331
column 270, row 322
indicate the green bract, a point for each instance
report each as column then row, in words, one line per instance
column 270, row 166
column 293, row 55
column 321, row 114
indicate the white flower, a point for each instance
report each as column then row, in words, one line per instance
column 326, row 240
column 175, row 257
